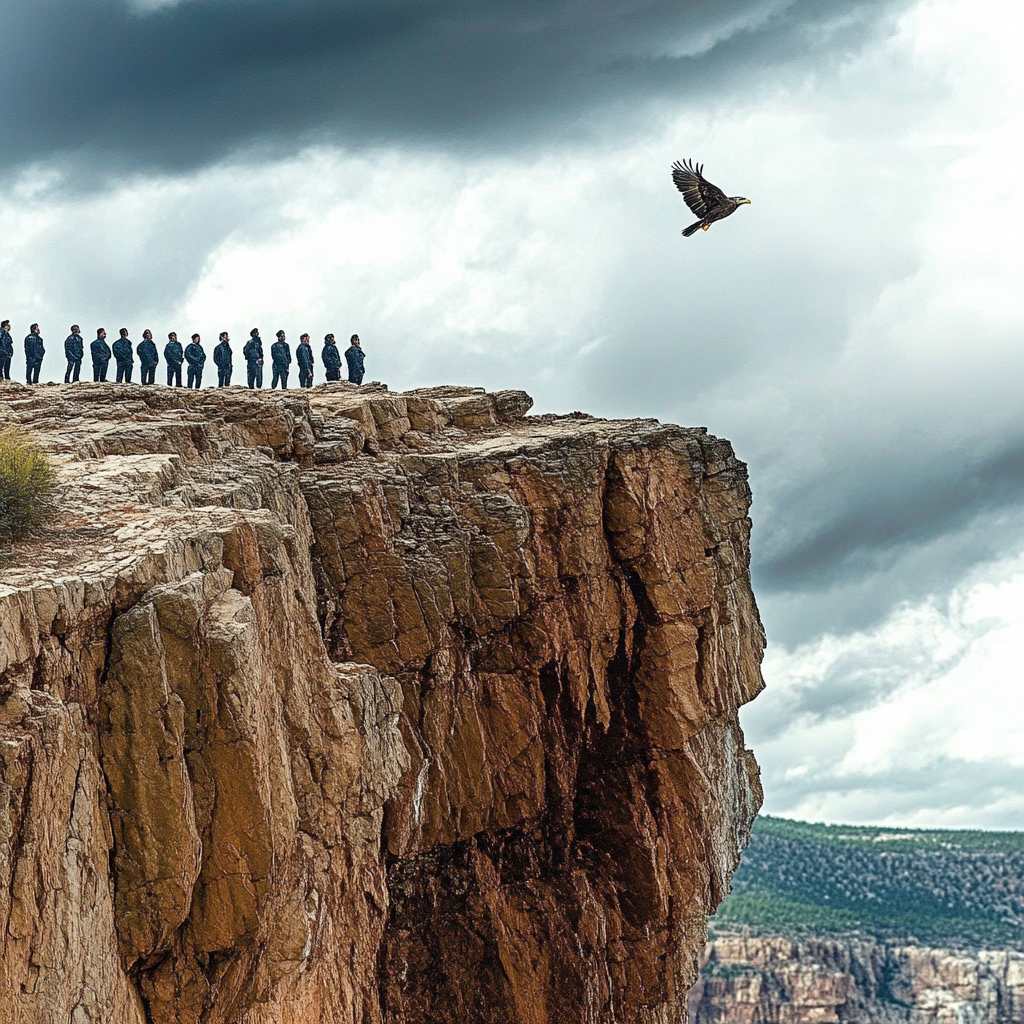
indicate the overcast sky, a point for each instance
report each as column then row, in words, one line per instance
column 481, row 189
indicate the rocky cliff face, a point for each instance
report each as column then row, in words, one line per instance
column 356, row 706
column 766, row 980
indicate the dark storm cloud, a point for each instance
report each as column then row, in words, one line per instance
column 883, row 511
column 891, row 526
column 108, row 87
column 854, row 683
column 860, row 601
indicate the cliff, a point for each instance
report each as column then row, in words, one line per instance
column 358, row 706
column 774, row 980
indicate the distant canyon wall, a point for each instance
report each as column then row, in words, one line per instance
column 774, row 980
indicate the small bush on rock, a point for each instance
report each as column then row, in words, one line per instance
column 28, row 485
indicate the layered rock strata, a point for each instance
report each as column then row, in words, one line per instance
column 360, row 706
column 850, row 980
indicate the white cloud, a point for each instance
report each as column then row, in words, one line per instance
column 951, row 703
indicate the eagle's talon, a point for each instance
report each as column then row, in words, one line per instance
column 705, row 227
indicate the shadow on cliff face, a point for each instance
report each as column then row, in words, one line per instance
column 573, row 912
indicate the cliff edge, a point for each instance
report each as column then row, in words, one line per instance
column 358, row 706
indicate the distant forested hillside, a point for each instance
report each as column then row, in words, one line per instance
column 947, row 888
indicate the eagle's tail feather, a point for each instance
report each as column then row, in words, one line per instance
column 692, row 228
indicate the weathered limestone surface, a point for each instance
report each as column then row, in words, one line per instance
column 354, row 706
column 773, row 980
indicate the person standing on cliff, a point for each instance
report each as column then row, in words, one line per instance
column 100, row 352
column 195, row 356
column 281, row 359
column 222, row 359
column 124, row 356
column 6, row 350
column 331, row 358
column 304, row 357
column 253, row 352
column 355, row 357
column 174, row 356
column 74, row 349
column 149, row 359
column 34, row 352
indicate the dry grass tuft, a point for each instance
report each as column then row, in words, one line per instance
column 28, row 486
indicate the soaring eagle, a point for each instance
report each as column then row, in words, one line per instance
column 707, row 201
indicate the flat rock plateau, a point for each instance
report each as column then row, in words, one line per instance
column 355, row 706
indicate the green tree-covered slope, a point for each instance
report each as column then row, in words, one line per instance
column 948, row 888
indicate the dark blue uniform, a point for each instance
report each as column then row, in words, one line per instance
column 304, row 357
column 332, row 361
column 124, row 356
column 222, row 357
column 148, row 360
column 354, row 356
column 174, row 356
column 281, row 357
column 195, row 356
column 34, row 352
column 253, row 353
column 74, row 349
column 6, row 352
column 100, row 352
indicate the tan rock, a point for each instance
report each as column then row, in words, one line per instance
column 349, row 705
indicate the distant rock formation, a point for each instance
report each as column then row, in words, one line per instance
column 848, row 980
column 359, row 706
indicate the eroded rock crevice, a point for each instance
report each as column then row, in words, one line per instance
column 369, row 707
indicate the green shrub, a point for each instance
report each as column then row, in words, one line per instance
column 28, row 485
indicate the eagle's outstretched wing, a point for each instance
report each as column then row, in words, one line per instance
column 700, row 195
